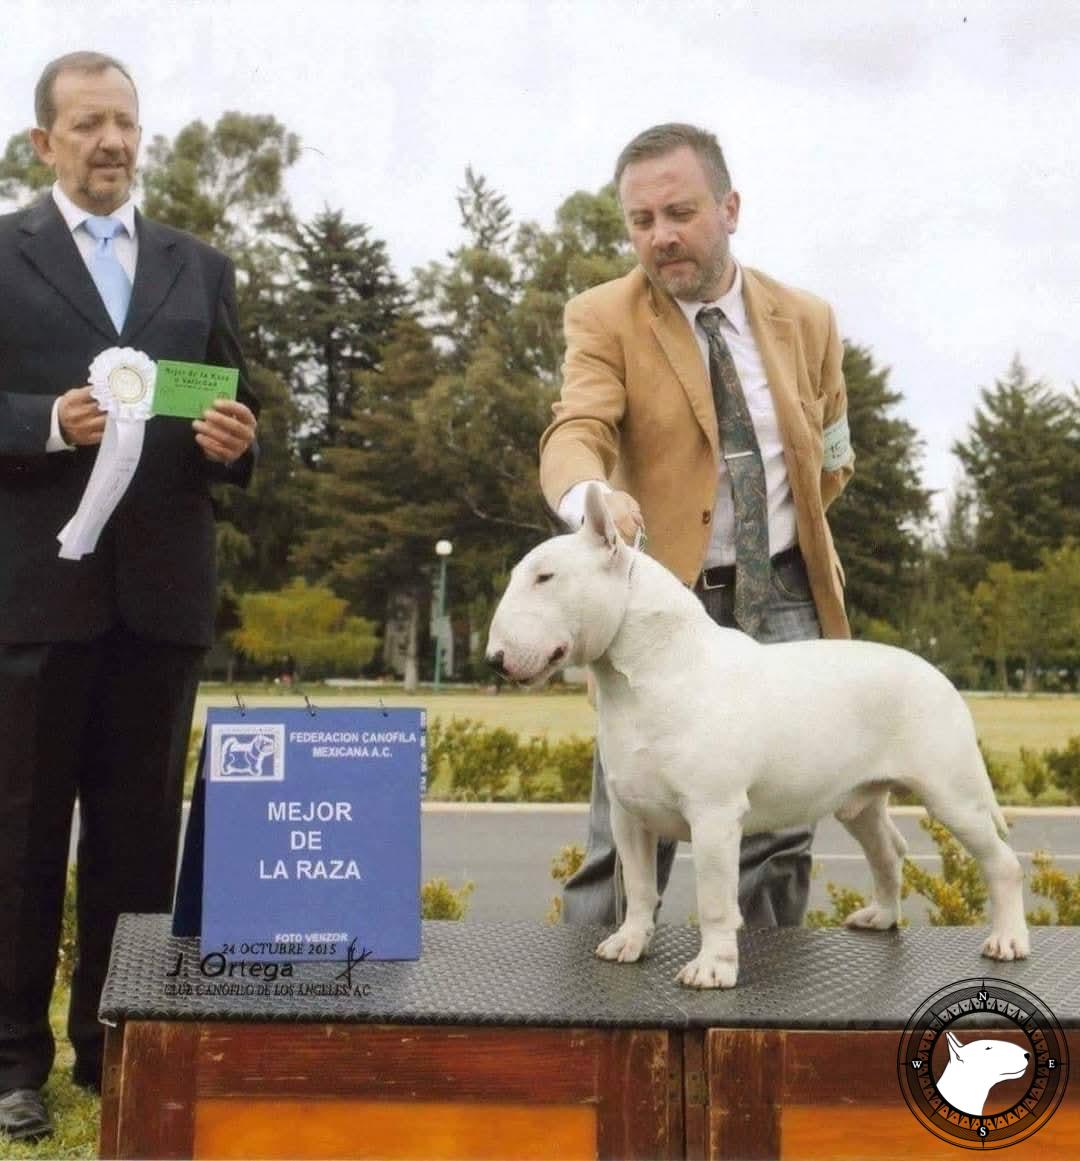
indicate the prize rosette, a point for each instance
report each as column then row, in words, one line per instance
column 122, row 383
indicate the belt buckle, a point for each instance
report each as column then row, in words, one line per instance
column 707, row 587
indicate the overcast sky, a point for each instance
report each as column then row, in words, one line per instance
column 916, row 163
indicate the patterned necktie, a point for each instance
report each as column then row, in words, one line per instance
column 109, row 276
column 747, row 473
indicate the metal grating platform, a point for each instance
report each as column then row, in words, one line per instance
column 528, row 973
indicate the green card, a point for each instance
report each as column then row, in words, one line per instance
column 188, row 389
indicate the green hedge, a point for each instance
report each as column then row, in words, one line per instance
column 471, row 762
column 468, row 762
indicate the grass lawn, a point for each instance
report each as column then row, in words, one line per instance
column 557, row 715
column 75, row 1112
column 1003, row 723
column 1036, row 723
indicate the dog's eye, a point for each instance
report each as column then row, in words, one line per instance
column 543, row 577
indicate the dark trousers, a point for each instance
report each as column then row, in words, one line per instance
column 106, row 722
column 774, row 867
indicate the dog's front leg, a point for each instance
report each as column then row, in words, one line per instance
column 636, row 846
column 715, row 834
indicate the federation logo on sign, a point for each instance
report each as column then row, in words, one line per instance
column 247, row 753
column 983, row 1064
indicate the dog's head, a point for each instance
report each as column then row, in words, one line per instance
column 988, row 1061
column 564, row 602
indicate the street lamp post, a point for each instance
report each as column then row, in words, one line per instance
column 442, row 550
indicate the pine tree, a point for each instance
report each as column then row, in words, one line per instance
column 1022, row 459
column 878, row 522
column 339, row 315
column 377, row 511
column 480, row 422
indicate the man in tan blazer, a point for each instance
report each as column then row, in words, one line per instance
column 644, row 376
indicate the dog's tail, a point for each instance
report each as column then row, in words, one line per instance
column 999, row 821
column 1000, row 825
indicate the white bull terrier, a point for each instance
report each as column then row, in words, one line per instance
column 706, row 735
column 974, row 1068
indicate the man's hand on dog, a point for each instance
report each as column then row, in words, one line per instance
column 626, row 513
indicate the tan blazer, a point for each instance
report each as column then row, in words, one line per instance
column 637, row 409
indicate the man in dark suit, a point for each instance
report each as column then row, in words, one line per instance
column 99, row 657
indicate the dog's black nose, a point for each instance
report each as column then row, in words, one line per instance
column 496, row 663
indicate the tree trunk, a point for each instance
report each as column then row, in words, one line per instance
column 412, row 676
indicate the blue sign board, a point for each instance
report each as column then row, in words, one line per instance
column 312, row 833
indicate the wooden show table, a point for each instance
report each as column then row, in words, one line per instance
column 512, row 1040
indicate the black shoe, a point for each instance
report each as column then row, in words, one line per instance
column 23, row 1116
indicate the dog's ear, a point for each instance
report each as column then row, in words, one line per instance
column 598, row 523
column 955, row 1048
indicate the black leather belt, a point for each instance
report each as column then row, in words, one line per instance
column 723, row 575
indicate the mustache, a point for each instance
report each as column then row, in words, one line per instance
column 673, row 254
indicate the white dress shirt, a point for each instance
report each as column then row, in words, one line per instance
column 126, row 249
column 747, row 358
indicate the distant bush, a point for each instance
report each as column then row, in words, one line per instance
column 479, row 761
column 1055, row 885
column 438, row 900
column 1034, row 773
column 572, row 761
column 1064, row 766
column 483, row 764
column 958, row 894
column 1000, row 777
column 563, row 865
column 845, row 900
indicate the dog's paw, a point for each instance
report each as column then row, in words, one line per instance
column 709, row 972
column 625, row 946
column 1002, row 945
column 876, row 917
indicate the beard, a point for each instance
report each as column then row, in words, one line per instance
column 108, row 193
column 694, row 280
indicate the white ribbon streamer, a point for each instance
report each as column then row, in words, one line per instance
column 122, row 382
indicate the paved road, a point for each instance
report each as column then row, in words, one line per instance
column 507, row 851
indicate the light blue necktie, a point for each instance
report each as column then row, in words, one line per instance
column 109, row 276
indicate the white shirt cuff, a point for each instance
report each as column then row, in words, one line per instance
column 572, row 505
column 56, row 441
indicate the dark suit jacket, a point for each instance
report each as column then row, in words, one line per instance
column 153, row 569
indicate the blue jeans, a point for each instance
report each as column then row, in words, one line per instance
column 774, row 868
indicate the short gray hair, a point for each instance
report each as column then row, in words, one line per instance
column 77, row 62
column 663, row 139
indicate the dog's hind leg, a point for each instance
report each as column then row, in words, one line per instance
column 636, row 846
column 975, row 825
column 867, row 821
column 715, row 834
